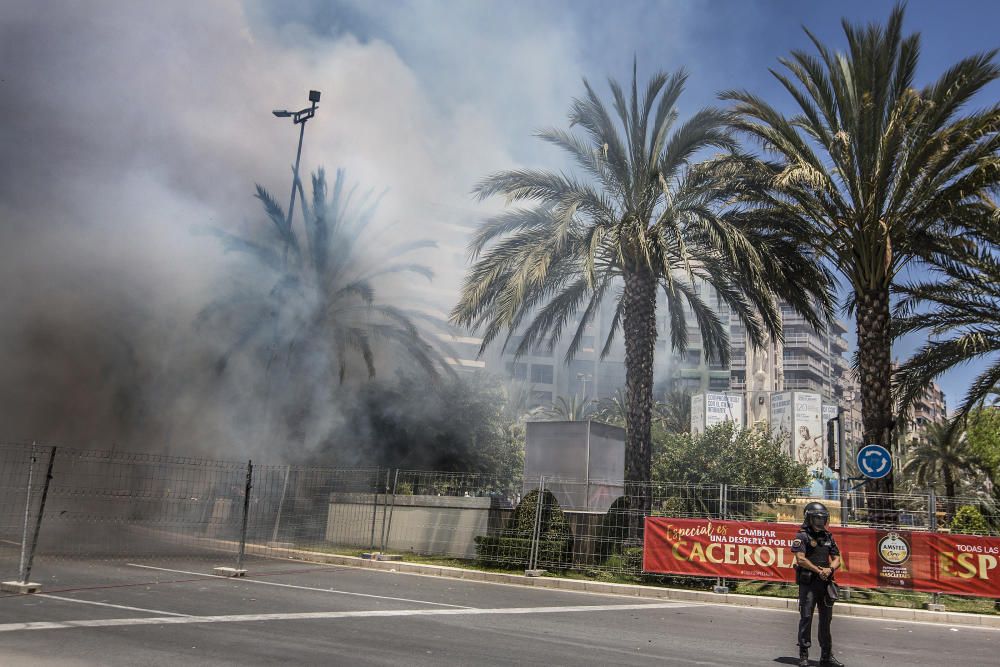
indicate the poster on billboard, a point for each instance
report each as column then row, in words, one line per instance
column 808, row 423
column 721, row 408
column 781, row 420
column 697, row 414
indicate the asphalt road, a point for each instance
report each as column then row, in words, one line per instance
column 170, row 612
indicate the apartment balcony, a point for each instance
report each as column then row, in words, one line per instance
column 803, row 385
column 808, row 341
column 805, row 363
column 838, row 344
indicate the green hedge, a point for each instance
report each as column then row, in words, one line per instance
column 613, row 531
column 497, row 551
column 512, row 547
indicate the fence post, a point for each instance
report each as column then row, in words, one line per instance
column 246, row 512
column 932, row 511
column 38, row 520
column 281, row 505
column 720, row 583
column 392, row 507
column 536, row 533
column 935, row 603
column 385, row 510
column 23, row 585
column 378, row 475
column 21, row 568
column 239, row 571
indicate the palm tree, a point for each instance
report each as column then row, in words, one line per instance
column 642, row 217
column 944, row 457
column 574, row 409
column 613, row 410
column 964, row 323
column 311, row 309
column 882, row 172
column 674, row 413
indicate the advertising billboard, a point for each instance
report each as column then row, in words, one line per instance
column 935, row 562
column 808, row 431
column 721, row 408
column 781, row 420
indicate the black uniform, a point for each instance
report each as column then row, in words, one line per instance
column 819, row 547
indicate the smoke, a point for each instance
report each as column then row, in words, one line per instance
column 129, row 127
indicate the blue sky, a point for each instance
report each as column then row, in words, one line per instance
column 721, row 43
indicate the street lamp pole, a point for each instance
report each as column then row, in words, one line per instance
column 299, row 118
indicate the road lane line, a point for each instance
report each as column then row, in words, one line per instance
column 326, row 615
column 108, row 604
column 304, row 588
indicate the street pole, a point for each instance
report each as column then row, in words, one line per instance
column 295, row 171
column 299, row 118
column 842, row 461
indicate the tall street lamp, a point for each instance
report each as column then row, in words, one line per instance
column 299, row 118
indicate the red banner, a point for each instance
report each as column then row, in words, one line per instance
column 932, row 562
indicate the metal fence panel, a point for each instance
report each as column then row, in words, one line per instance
column 114, row 505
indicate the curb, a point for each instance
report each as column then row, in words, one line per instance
column 630, row 590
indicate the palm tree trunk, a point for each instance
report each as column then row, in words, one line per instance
column 875, row 369
column 639, row 324
column 949, row 492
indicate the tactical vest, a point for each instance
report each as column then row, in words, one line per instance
column 818, row 548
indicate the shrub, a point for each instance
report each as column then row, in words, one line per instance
column 613, row 531
column 500, row 551
column 513, row 546
column 970, row 521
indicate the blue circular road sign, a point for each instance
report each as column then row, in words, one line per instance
column 874, row 461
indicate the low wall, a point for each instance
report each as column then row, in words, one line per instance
column 442, row 525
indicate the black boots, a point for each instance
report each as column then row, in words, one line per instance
column 803, row 657
column 829, row 661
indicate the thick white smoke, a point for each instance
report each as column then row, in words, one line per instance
column 127, row 127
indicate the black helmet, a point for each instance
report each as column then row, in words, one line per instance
column 816, row 516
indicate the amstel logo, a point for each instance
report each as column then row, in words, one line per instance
column 893, row 549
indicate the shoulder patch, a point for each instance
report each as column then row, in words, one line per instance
column 796, row 542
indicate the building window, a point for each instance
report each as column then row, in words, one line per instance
column 718, row 384
column 541, row 373
column 541, row 398
column 517, row 371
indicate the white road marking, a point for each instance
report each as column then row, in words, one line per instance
column 16, row 544
column 325, row 615
column 108, row 604
column 847, row 617
column 304, row 588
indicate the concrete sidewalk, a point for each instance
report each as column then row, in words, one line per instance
column 634, row 590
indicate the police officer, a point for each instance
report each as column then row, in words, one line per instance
column 816, row 559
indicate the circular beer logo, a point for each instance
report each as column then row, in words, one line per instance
column 893, row 549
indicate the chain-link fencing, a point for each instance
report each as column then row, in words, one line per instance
column 61, row 505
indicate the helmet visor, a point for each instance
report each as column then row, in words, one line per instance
column 818, row 519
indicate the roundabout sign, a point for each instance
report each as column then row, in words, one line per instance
column 874, row 461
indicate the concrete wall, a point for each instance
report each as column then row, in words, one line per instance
column 441, row 525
